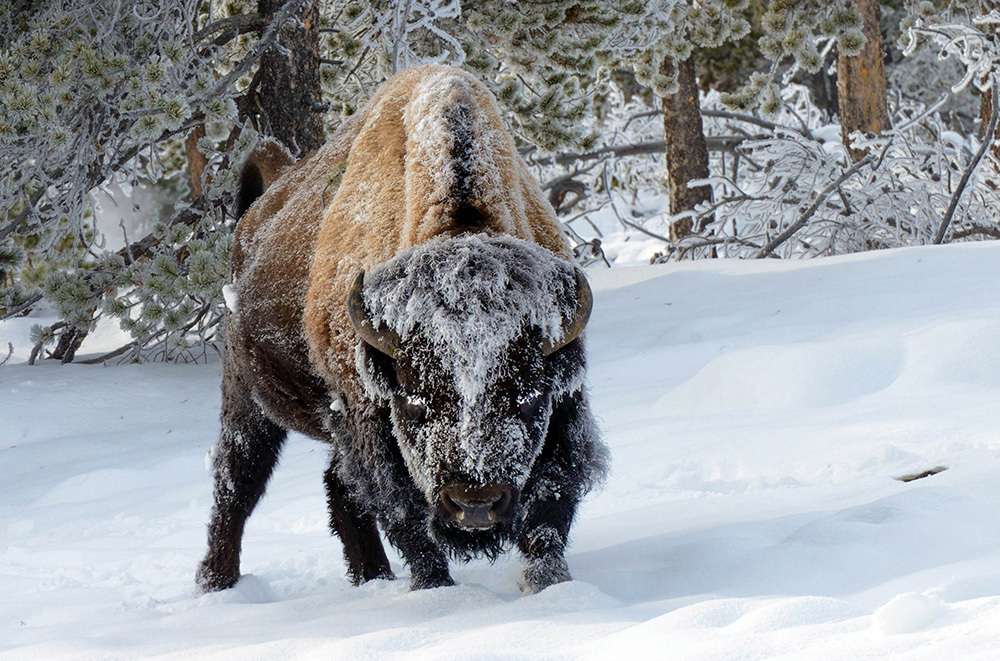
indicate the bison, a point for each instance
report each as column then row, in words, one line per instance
column 403, row 294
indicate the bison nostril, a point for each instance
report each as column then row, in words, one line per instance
column 475, row 507
column 449, row 504
column 502, row 504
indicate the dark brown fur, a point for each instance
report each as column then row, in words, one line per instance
column 307, row 229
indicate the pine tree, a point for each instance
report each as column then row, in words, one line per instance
column 96, row 91
column 100, row 92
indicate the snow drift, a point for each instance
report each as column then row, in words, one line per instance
column 758, row 414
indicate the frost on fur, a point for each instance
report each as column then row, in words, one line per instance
column 474, row 310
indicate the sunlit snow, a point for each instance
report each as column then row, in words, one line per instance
column 758, row 414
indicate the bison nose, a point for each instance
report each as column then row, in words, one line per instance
column 470, row 506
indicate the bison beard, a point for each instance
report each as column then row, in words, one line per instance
column 447, row 375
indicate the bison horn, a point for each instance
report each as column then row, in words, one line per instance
column 385, row 340
column 574, row 325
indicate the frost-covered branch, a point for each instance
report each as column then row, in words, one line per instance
column 230, row 27
column 988, row 138
column 21, row 309
column 715, row 143
column 810, row 211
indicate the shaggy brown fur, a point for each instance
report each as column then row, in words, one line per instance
column 394, row 175
column 301, row 245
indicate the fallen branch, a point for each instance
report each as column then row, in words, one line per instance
column 108, row 356
column 691, row 243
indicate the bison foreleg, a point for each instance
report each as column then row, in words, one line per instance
column 427, row 562
column 247, row 453
column 572, row 460
column 363, row 550
column 543, row 542
column 373, row 469
column 407, row 530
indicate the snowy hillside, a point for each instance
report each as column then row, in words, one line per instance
column 757, row 412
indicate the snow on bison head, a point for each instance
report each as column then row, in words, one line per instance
column 470, row 341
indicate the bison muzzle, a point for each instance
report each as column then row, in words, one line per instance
column 404, row 294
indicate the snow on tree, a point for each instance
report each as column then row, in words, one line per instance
column 89, row 92
column 138, row 94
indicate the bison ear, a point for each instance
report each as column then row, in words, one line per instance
column 384, row 339
column 268, row 161
column 576, row 322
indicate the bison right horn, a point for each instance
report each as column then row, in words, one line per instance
column 574, row 325
column 385, row 340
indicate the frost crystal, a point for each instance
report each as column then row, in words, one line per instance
column 232, row 298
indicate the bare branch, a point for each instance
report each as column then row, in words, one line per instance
column 266, row 40
column 813, row 208
column 231, row 27
column 21, row 308
column 20, row 218
column 715, row 143
column 975, row 229
column 988, row 139
column 757, row 121
column 628, row 223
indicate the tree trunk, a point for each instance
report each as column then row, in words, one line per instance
column 986, row 103
column 687, row 151
column 286, row 99
column 861, row 82
column 196, row 161
column 69, row 343
column 823, row 86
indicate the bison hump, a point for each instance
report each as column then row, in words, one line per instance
column 460, row 160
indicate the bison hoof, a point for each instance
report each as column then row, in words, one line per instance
column 362, row 578
column 432, row 581
column 210, row 580
column 541, row 574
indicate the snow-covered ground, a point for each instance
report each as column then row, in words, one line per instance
column 758, row 413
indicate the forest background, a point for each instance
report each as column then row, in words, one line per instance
column 717, row 128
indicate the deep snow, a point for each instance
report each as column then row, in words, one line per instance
column 757, row 413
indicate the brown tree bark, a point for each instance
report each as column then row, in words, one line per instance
column 986, row 104
column 285, row 100
column 861, row 82
column 687, row 151
column 196, row 161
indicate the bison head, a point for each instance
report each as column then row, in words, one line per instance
column 470, row 343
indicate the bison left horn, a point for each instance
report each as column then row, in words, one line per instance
column 574, row 325
column 385, row 340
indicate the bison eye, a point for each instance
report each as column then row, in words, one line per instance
column 413, row 406
column 530, row 404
